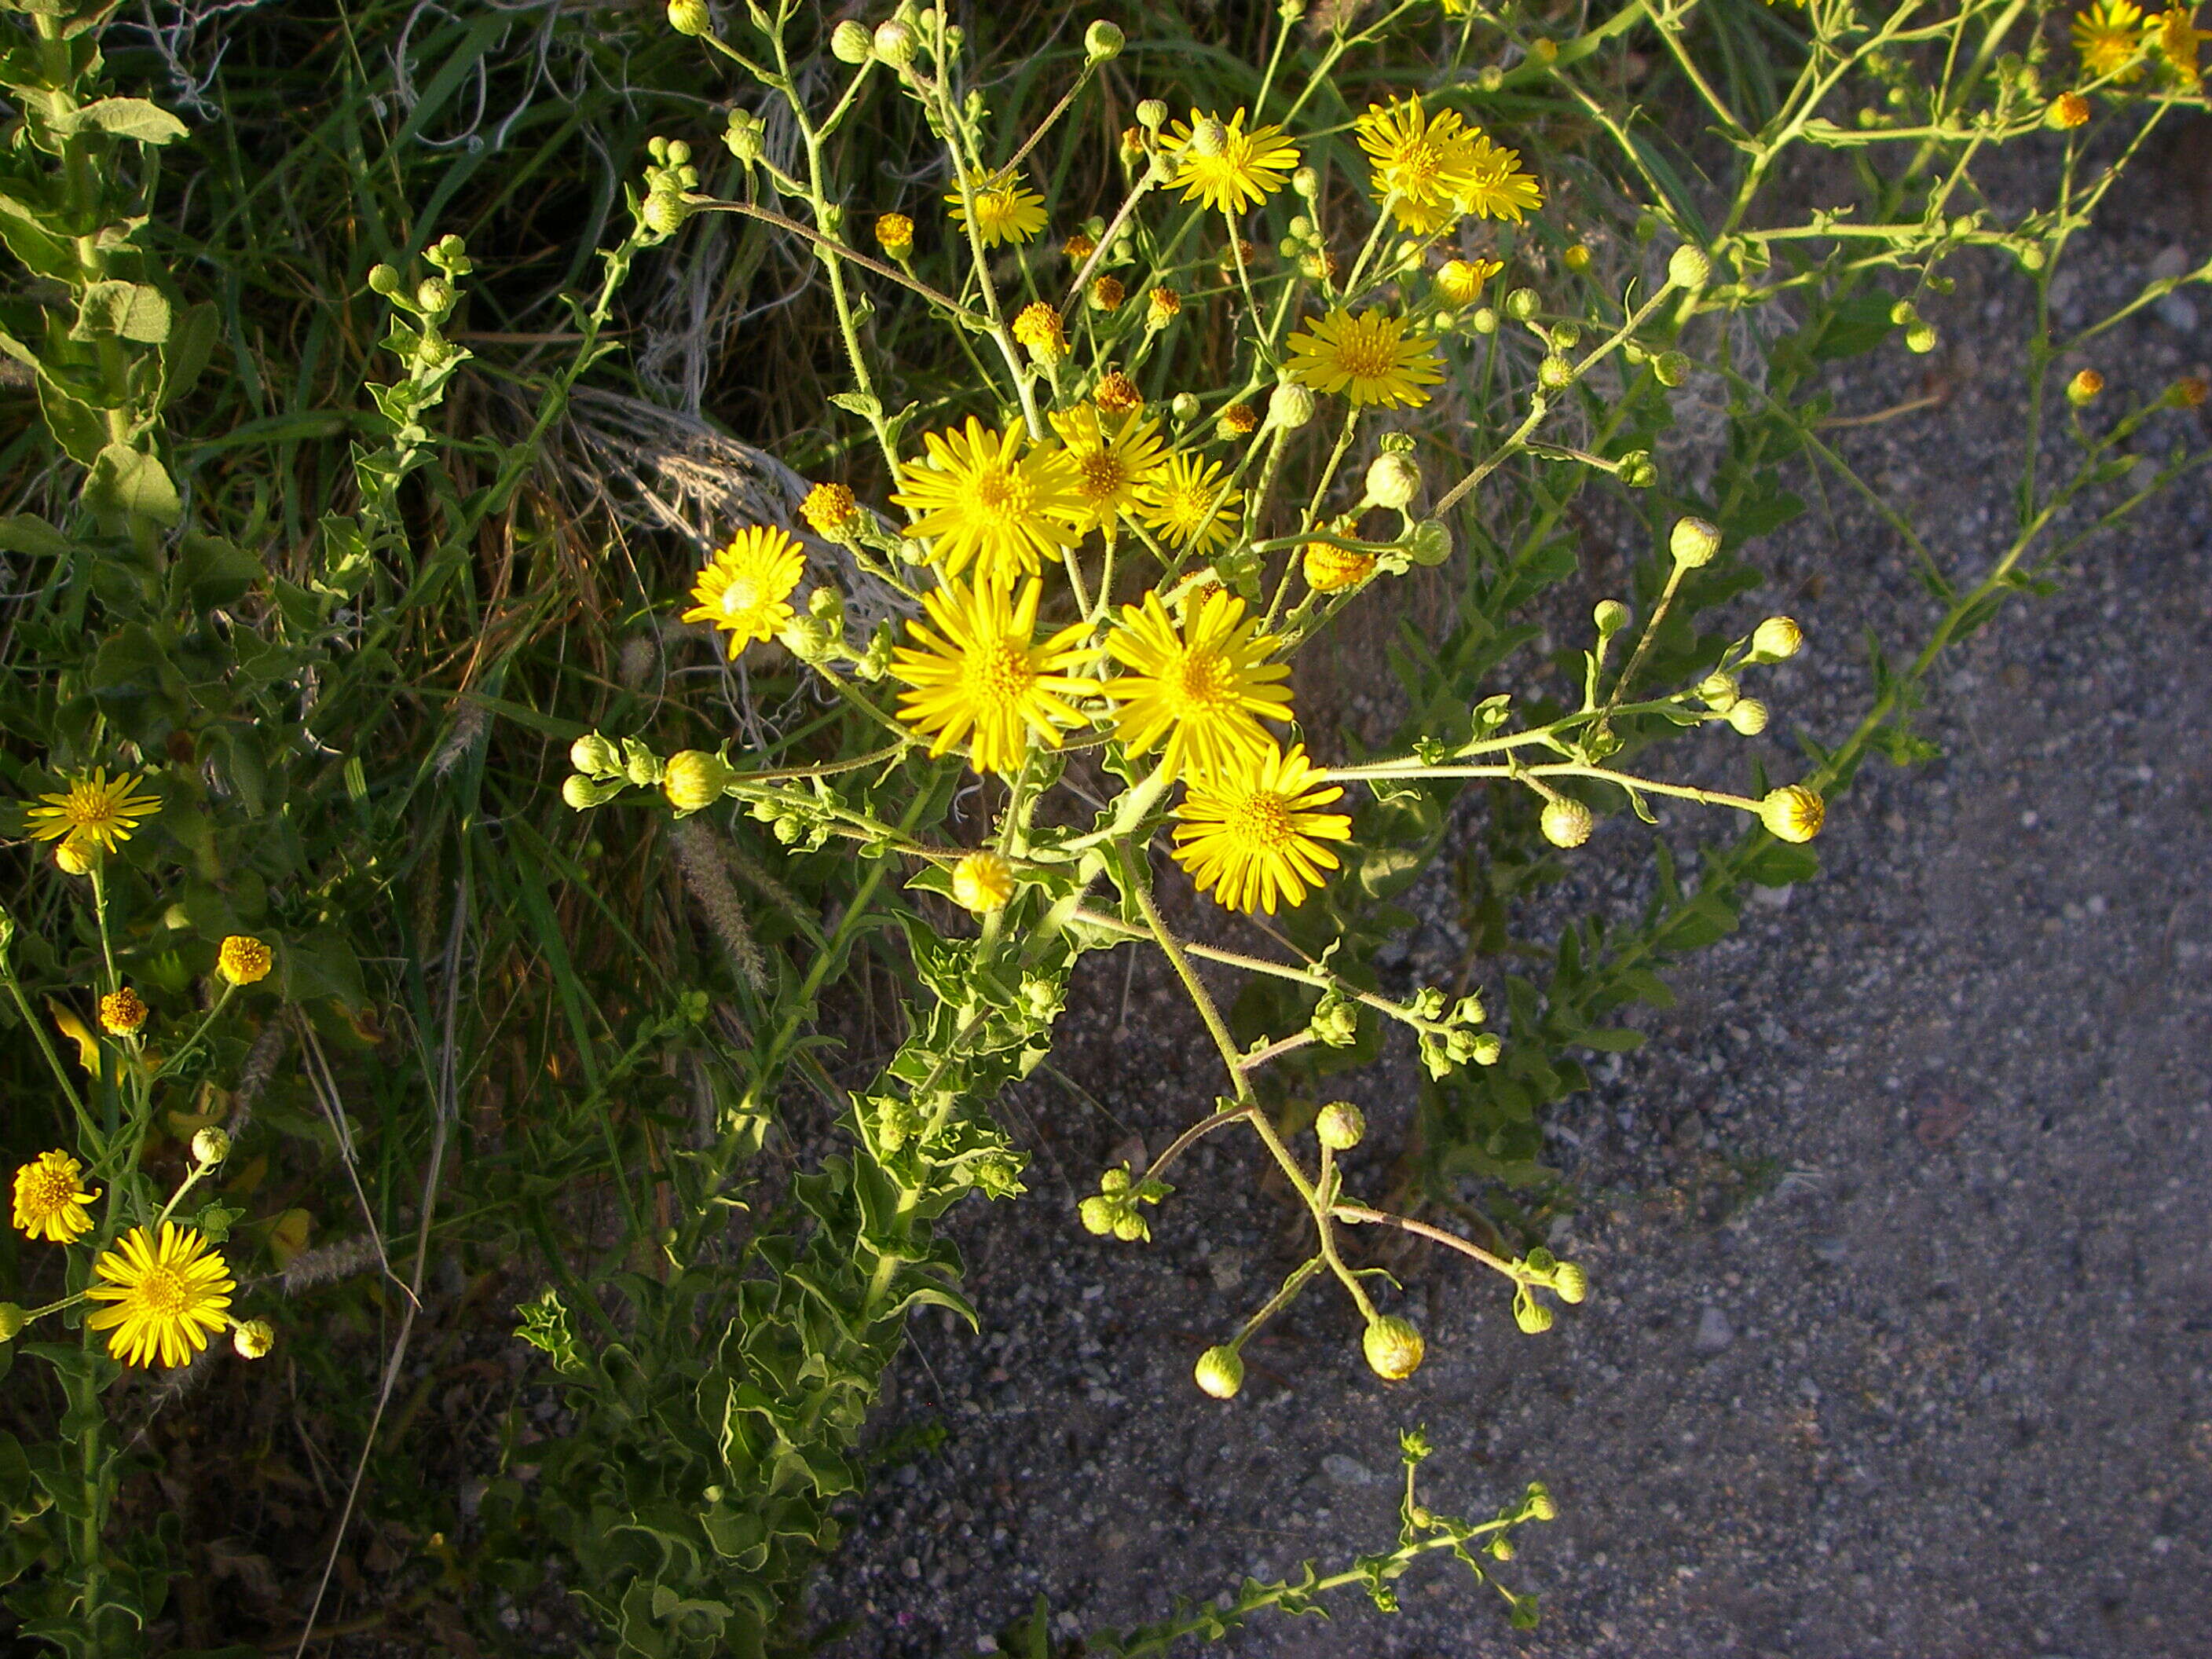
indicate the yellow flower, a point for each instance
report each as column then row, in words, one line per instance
column 1460, row 281
column 1162, row 307
column 1331, row 570
column 121, row 1012
column 1218, row 162
column 1186, row 501
column 1416, row 162
column 1005, row 212
column 243, row 960
column 1038, row 327
column 982, row 882
column 50, row 1200
column 94, row 814
column 170, row 1294
column 1792, row 813
column 1117, row 394
column 985, row 498
column 2109, row 35
column 1107, row 293
column 1493, row 185
column 830, row 509
column 1204, row 691
column 1250, row 836
column 2175, row 33
column 1238, row 420
column 977, row 665
column 1078, row 247
column 1113, row 459
column 1367, row 357
column 743, row 588
column 895, row 234
column 2068, row 110
column 253, row 1338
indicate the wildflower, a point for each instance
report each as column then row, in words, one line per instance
column 831, row 510
column 982, row 882
column 1113, row 459
column 1792, row 813
column 2109, row 35
column 1460, row 281
column 1230, row 169
column 169, row 1295
column 1693, row 541
column 1117, row 394
column 1290, row 405
column 1367, row 357
column 1394, row 1349
column 895, row 234
column 1078, row 247
column 1251, row 835
column 1219, row 1372
column 1238, row 420
column 1331, row 570
column 1037, row 327
column 1204, row 690
column 1419, row 164
column 1578, row 256
column 1340, row 1125
column 121, row 1012
column 2067, row 110
column 986, row 498
column 2175, row 33
column 2188, row 393
column 210, row 1146
column 1494, row 186
column 93, row 814
column 976, row 666
column 1748, row 716
column 1162, row 307
column 2083, row 388
column 689, row 17
column 742, row 590
column 694, row 780
column 1107, row 293
column 253, row 1338
column 1776, row 639
column 1567, row 823
column 1394, row 480
column 242, row 959
column 1187, row 501
column 50, row 1199
column 1005, row 212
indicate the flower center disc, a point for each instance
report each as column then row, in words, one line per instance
column 162, row 1293
column 1363, row 353
column 1202, row 680
column 999, row 672
column 1261, row 820
column 740, row 596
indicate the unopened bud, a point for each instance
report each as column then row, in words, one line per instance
column 982, row 882
column 1306, row 182
column 1776, row 639
column 1567, row 823
column 1748, row 716
column 849, row 42
column 1532, row 1315
column 689, row 17
column 1541, row 1507
column 1340, row 1125
column 1671, row 367
column 1521, row 304
column 210, row 1146
column 595, row 755
column 1183, row 406
column 1611, row 615
column 895, row 43
column 1719, row 692
column 1429, row 542
column 1554, row 373
column 1570, row 1282
column 1793, row 814
column 1920, row 339
column 1290, row 406
column 1693, row 541
column 1484, row 321
column 1220, row 1372
column 1393, row 481
column 1097, row 1214
column 1209, row 137
column 383, row 279
column 1102, row 41
column 11, row 1320
column 2083, row 388
column 694, row 780
column 1151, row 113
column 1687, row 267
column 1394, row 1348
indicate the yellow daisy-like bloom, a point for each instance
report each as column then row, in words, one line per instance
column 1494, row 187
column 50, row 1197
column 1005, row 212
column 1113, row 459
column 1078, row 247
column 1367, row 357
column 1218, row 162
column 243, row 960
column 121, row 1012
column 1251, row 837
column 830, row 509
column 94, row 812
column 1107, row 293
column 1038, row 327
column 169, row 1294
column 2175, row 33
column 2109, row 35
column 1460, row 281
column 1331, row 570
column 976, row 666
column 1204, row 690
column 1185, row 502
column 982, row 882
column 895, row 234
column 986, row 498
column 1162, row 307
column 743, row 588
column 1420, row 160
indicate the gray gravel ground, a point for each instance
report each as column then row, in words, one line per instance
column 1899, row 1229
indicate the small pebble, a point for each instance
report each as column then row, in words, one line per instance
column 1346, row 1471
column 1714, row 1331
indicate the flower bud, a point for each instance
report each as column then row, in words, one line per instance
column 1567, row 823
column 11, row 1320
column 2068, row 110
column 1484, row 321
column 2188, row 393
column 1521, row 304
column 210, row 1146
column 1340, row 1125
column 1570, row 1282
column 595, row 755
column 830, row 510
column 895, row 43
column 982, row 882
column 121, row 1012
column 1394, row 1348
column 1184, row 407
column 1540, row 1504
column 1793, row 814
column 1776, row 639
column 1161, row 305
column 1393, row 481
column 252, row 1339
column 1531, row 1315
column 1485, row 1049
column 1290, row 406
column 1719, row 692
column 581, row 793
column 1687, row 267
column 76, row 858
column 2083, row 388
column 1576, row 258
column 745, row 137
column 664, row 211
column 1306, row 182
column 1102, row 41
column 1920, row 339
column 1038, row 327
column 849, row 42
column 1748, row 716
column 1097, row 1214
column 694, row 780
column 1693, row 541
column 1671, row 367
column 1151, row 114
column 1429, row 542
column 434, row 295
column 689, row 17
column 1237, row 420
column 1208, row 138
column 1554, row 373
column 1611, row 615
column 1220, row 1372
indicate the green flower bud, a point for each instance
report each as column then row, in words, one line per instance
column 1687, row 267
column 1539, row 1503
column 1393, row 481
column 1671, row 367
column 664, row 211
column 1718, row 691
column 1567, row 823
column 1340, row 1125
column 210, row 1146
column 1748, row 716
column 1184, row 407
column 1565, row 336
column 582, row 793
column 1220, row 1372
column 1521, row 304
column 1637, row 470
column 689, row 17
column 436, row 295
column 1097, row 1214
column 1209, row 138
column 383, row 279
column 694, row 780
column 1647, row 227
column 1530, row 1314
column 595, row 755
column 1570, row 1282
column 1775, row 639
column 1290, row 406
column 1793, row 814
column 746, row 137
column 1429, row 542
column 11, row 1320
column 1102, row 42
column 1489, row 77
column 1485, row 1049
column 1920, row 339
column 895, row 43
column 1151, row 113
column 1129, row 1227
column 1394, row 1348
column 1903, row 315
column 1693, row 541
column 849, row 42
column 1306, row 182
column 1484, row 321
column 1554, row 373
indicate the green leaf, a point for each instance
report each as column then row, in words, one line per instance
column 41, row 251
column 124, row 311
column 1780, row 864
column 185, row 354
column 26, row 532
column 124, row 117
column 127, row 482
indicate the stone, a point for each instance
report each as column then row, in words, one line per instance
column 1343, row 1471
column 1714, row 1331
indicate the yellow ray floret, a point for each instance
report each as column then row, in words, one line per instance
column 94, row 810
column 167, row 1295
column 50, row 1199
column 1199, row 694
column 988, row 499
column 2109, row 35
column 743, row 588
column 977, row 667
column 1005, row 212
column 1217, row 161
column 1493, row 185
column 1113, row 458
column 1367, row 357
column 1188, row 503
column 1252, row 837
column 1416, row 162
column 2175, row 33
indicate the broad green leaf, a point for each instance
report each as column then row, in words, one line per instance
column 126, row 310
column 130, row 484
column 124, row 117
